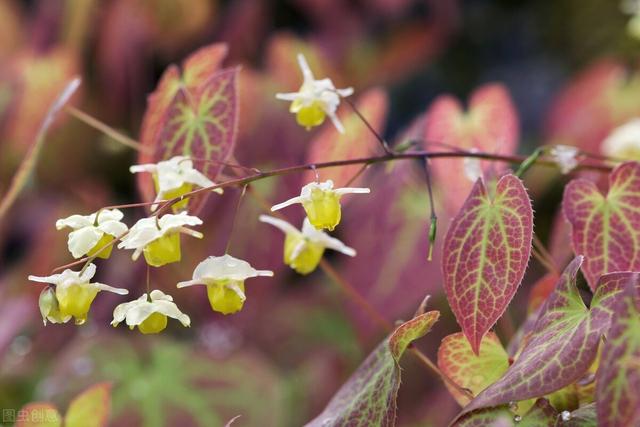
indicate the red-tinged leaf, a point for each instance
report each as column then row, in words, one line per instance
column 90, row 408
column 39, row 414
column 600, row 98
column 369, row 396
column 357, row 141
column 197, row 69
column 29, row 162
column 490, row 125
column 203, row 125
column 563, row 344
column 541, row 290
column 541, row 414
column 468, row 370
column 606, row 229
column 618, row 377
column 485, row 254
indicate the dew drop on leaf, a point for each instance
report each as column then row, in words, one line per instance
column 566, row 415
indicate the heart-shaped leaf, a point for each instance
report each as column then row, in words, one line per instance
column 468, row 370
column 606, row 229
column 618, row 377
column 369, row 396
column 485, row 254
column 201, row 89
column 489, row 125
column 38, row 414
column 563, row 344
column 90, row 408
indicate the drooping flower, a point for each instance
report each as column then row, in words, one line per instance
column 224, row 277
column 49, row 308
column 304, row 249
column 623, row 142
column 92, row 232
column 149, row 313
column 565, row 156
column 174, row 178
column 315, row 99
column 321, row 202
column 73, row 295
column 159, row 238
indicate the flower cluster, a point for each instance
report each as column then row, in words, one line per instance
column 157, row 237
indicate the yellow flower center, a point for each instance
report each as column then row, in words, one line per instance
column 323, row 209
column 223, row 299
column 75, row 300
column 310, row 115
column 176, row 192
column 164, row 250
column 106, row 252
column 156, row 322
column 306, row 259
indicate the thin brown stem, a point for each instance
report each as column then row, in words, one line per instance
column 235, row 216
column 375, row 133
column 106, row 129
column 550, row 262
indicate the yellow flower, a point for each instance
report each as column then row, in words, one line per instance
column 321, row 202
column 159, row 238
column 303, row 250
column 73, row 295
column 92, row 232
column 224, row 277
column 315, row 99
column 149, row 313
column 173, row 178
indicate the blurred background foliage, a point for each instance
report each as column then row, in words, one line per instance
column 278, row 361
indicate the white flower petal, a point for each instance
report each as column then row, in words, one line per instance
column 236, row 289
column 352, row 190
column 336, row 122
column 170, row 309
column 307, row 74
column 83, row 240
column 280, row 224
column 75, row 221
column 292, row 201
column 113, row 228
column 322, row 238
column 149, row 167
column 158, row 295
column 103, row 287
column 193, row 282
column 225, row 267
column 290, row 96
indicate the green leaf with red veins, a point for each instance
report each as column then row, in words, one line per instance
column 369, row 396
column 563, row 344
column 541, row 414
column 490, row 125
column 473, row 372
column 606, row 229
column 618, row 377
column 197, row 70
column 485, row 254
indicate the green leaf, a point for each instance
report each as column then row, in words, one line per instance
column 618, row 376
column 90, row 408
column 368, row 398
column 485, row 254
column 563, row 343
column 38, row 414
column 468, row 370
column 541, row 414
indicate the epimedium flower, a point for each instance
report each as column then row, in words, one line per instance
column 304, row 249
column 174, row 178
column 73, row 295
column 623, row 143
column 565, row 156
column 224, row 278
column 92, row 232
column 315, row 99
column 159, row 238
column 321, row 202
column 149, row 313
